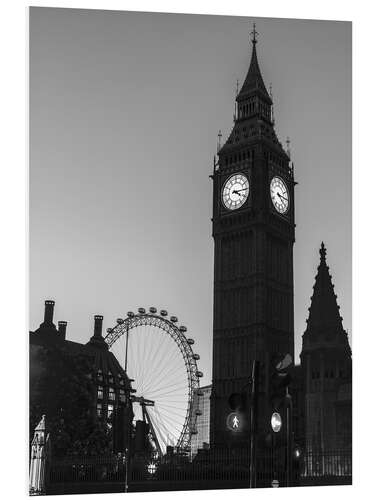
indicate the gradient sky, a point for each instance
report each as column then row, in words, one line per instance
column 124, row 112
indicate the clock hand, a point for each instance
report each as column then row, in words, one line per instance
column 244, row 189
column 281, row 196
column 235, row 191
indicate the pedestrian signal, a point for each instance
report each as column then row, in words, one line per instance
column 235, row 422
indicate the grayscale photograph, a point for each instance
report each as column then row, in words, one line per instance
column 190, row 252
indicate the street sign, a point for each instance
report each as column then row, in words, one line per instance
column 235, row 422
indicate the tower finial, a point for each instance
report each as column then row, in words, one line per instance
column 322, row 252
column 272, row 112
column 254, row 34
column 235, row 102
column 219, row 136
column 288, row 146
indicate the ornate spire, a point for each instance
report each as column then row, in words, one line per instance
column 323, row 253
column 324, row 323
column 254, row 34
column 254, row 81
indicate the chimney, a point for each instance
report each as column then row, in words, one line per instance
column 62, row 329
column 98, row 326
column 97, row 339
column 48, row 311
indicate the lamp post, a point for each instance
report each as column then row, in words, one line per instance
column 127, row 430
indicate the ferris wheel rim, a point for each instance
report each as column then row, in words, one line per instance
column 170, row 327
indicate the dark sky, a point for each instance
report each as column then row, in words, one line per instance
column 124, row 112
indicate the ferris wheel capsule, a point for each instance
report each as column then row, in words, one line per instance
column 199, row 374
column 183, row 329
column 163, row 312
column 174, row 319
column 130, row 314
column 141, row 310
column 119, row 321
column 153, row 310
column 196, row 357
column 190, row 341
column 109, row 330
column 198, row 412
column 199, row 392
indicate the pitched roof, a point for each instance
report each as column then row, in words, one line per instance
column 324, row 324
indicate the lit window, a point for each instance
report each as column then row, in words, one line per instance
column 100, row 375
column 110, row 410
column 100, row 392
column 122, row 395
column 99, row 409
column 111, row 395
column 110, row 377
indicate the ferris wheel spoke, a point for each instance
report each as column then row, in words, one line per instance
column 167, row 375
column 152, row 372
column 152, row 359
column 149, row 339
column 159, row 359
column 171, row 423
column 171, row 390
column 167, row 413
column 163, row 431
column 174, row 414
column 169, row 367
column 171, row 429
column 173, row 407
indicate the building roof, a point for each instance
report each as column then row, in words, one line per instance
column 47, row 335
column 324, row 324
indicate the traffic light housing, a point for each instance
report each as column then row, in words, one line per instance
column 142, row 430
column 122, row 425
column 238, row 401
column 279, row 380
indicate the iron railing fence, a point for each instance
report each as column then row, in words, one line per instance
column 327, row 463
column 208, row 468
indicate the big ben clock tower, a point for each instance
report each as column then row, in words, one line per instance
column 253, row 230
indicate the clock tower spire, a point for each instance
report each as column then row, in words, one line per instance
column 253, row 231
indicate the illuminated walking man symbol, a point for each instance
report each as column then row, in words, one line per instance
column 234, row 422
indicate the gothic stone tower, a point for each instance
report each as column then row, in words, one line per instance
column 327, row 366
column 253, row 231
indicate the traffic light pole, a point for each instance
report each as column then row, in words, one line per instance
column 288, row 437
column 253, row 420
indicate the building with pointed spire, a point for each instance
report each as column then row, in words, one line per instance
column 254, row 231
column 326, row 364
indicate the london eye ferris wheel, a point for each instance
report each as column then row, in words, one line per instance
column 159, row 359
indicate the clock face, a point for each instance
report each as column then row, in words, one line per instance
column 279, row 195
column 235, row 191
